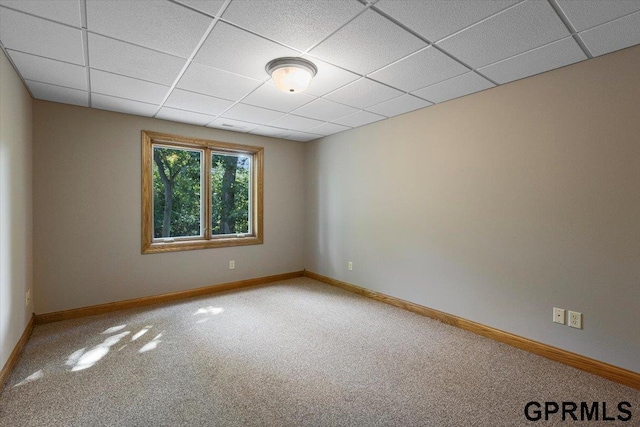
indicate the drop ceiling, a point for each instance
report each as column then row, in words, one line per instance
column 202, row 62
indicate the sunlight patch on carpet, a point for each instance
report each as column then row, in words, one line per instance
column 209, row 310
column 151, row 345
column 141, row 333
column 114, row 329
column 33, row 377
column 91, row 357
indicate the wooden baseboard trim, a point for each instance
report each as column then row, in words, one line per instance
column 15, row 354
column 159, row 299
column 602, row 369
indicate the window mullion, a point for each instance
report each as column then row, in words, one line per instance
column 206, row 200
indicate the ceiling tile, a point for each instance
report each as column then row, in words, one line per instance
column 61, row 94
column 232, row 125
column 120, row 105
column 367, row 43
column 251, row 114
column 303, row 136
column 360, row 118
column 516, row 30
column 295, row 123
column 46, row 70
column 614, row 35
column 269, row 96
column 328, row 77
column 271, row 131
column 196, row 102
column 292, row 22
column 44, row 38
column 65, row 11
column 363, row 93
column 400, row 105
column 133, row 61
column 325, row 110
column 240, row 52
column 182, row 116
column 159, row 25
column 554, row 55
column 454, row 88
column 421, row 69
column 214, row 82
column 328, row 129
column 210, row 7
column 435, row 19
column 585, row 14
column 126, row 87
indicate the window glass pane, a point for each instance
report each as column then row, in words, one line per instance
column 176, row 192
column 230, row 181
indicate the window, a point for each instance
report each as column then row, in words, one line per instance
column 199, row 194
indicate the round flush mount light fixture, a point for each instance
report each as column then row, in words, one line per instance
column 291, row 75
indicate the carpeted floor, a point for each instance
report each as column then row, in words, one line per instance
column 296, row 353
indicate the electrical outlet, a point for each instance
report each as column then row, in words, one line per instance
column 232, row 265
column 575, row 319
column 558, row 315
column 27, row 298
column 350, row 266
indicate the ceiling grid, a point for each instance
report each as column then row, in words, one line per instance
column 203, row 62
column 85, row 43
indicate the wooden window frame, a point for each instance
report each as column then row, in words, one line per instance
column 255, row 237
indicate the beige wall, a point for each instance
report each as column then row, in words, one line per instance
column 16, row 273
column 497, row 206
column 87, row 212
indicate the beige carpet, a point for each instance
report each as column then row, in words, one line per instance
column 297, row 353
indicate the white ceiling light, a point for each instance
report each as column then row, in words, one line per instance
column 291, row 75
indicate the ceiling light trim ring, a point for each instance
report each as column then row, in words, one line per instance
column 278, row 63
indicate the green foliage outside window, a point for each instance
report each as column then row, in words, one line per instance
column 176, row 192
column 230, row 194
column 177, row 208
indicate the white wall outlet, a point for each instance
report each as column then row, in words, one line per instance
column 350, row 266
column 575, row 319
column 232, row 265
column 558, row 315
column 27, row 298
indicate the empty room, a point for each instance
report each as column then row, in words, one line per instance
column 319, row 212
